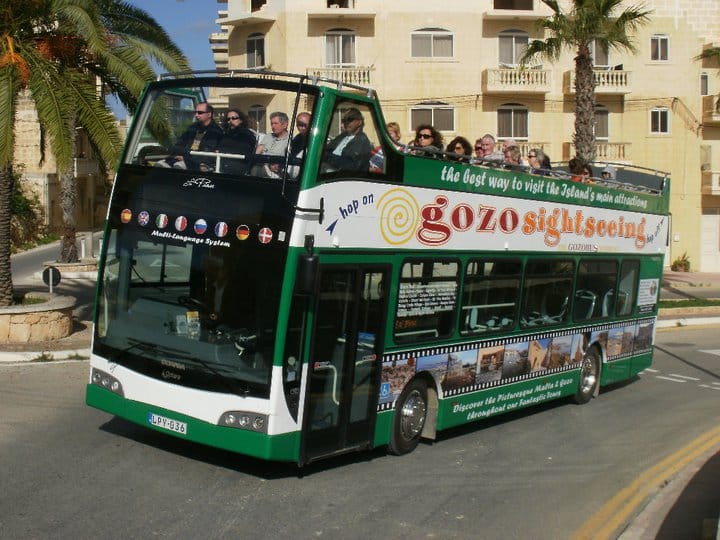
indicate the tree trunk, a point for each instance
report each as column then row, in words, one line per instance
column 584, row 138
column 68, row 204
column 6, row 285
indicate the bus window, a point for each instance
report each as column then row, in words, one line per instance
column 490, row 296
column 594, row 289
column 548, row 286
column 427, row 299
column 353, row 141
column 627, row 288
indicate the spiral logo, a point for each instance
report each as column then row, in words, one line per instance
column 399, row 213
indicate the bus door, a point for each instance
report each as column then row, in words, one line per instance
column 341, row 398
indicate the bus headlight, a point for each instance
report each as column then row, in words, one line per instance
column 107, row 381
column 244, row 420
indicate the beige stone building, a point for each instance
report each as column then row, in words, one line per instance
column 40, row 173
column 455, row 64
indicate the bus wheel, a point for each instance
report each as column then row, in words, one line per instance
column 410, row 415
column 589, row 376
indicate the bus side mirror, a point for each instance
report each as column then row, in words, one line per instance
column 306, row 273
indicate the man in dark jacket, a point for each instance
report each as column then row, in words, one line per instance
column 203, row 135
column 349, row 151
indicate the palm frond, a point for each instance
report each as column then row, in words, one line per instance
column 53, row 108
column 93, row 116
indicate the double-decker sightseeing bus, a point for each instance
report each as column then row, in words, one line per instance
column 345, row 292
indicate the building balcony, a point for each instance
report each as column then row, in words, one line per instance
column 243, row 12
column 711, row 183
column 607, row 81
column 339, row 9
column 711, row 110
column 359, row 75
column 611, row 152
column 516, row 80
column 528, row 10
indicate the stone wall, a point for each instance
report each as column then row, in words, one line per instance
column 46, row 321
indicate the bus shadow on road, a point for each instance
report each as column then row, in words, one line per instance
column 268, row 470
column 273, row 470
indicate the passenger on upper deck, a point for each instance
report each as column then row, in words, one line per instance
column 393, row 129
column 608, row 173
column 274, row 143
column 351, row 149
column 299, row 141
column 582, row 172
column 487, row 149
column 512, row 158
column 427, row 138
column 460, row 146
column 539, row 162
column 238, row 139
column 203, row 135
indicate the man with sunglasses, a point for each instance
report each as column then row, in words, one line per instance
column 349, row 151
column 203, row 135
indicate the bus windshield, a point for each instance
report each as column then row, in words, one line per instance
column 190, row 287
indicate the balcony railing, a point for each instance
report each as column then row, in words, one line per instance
column 607, row 81
column 711, row 183
column 512, row 80
column 359, row 75
column 711, row 110
column 615, row 152
column 525, row 147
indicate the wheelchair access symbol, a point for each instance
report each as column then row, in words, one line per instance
column 385, row 390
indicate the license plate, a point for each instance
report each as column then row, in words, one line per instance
column 167, row 423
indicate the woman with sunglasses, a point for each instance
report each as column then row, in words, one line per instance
column 238, row 139
column 460, row 146
column 427, row 138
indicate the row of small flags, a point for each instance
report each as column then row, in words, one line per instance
column 200, row 226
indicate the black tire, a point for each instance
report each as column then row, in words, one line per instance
column 589, row 376
column 410, row 416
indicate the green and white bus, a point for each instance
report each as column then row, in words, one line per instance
column 370, row 296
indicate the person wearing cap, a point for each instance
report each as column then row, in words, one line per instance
column 608, row 173
column 349, row 151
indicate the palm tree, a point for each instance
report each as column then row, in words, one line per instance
column 587, row 22
column 58, row 53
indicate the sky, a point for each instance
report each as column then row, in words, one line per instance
column 189, row 23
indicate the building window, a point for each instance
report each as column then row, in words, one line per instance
column 512, row 121
column 659, row 47
column 439, row 115
column 340, row 48
column 660, row 121
column 258, row 115
column 512, row 46
column 704, row 84
column 255, row 50
column 431, row 43
column 602, row 123
column 427, row 300
column 600, row 55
